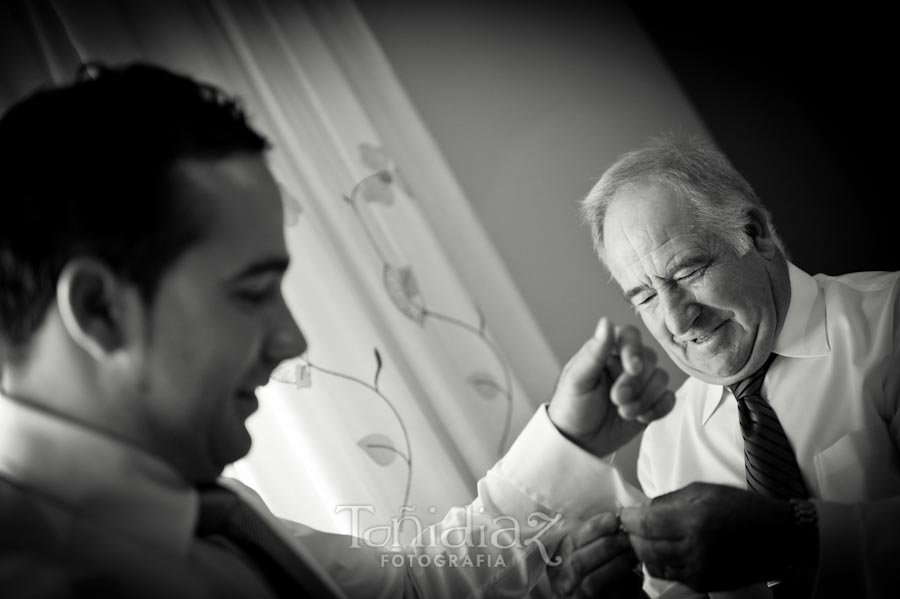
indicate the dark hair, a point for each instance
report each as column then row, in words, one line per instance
column 84, row 171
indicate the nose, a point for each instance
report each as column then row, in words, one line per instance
column 285, row 339
column 680, row 311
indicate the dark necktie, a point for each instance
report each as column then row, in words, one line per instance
column 224, row 514
column 769, row 461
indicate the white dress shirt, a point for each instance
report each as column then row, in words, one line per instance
column 835, row 387
column 836, row 390
column 97, row 482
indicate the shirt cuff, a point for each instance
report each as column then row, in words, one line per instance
column 561, row 476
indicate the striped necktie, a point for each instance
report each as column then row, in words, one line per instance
column 770, row 464
column 223, row 514
column 769, row 461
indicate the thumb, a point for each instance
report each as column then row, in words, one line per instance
column 586, row 369
column 632, row 520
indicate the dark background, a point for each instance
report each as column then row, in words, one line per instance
column 802, row 101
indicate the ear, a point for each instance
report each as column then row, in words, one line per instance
column 760, row 233
column 93, row 302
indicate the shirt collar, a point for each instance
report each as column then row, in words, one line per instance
column 98, row 477
column 803, row 333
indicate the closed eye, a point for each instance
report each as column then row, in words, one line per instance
column 690, row 273
column 258, row 294
column 642, row 299
column 259, row 281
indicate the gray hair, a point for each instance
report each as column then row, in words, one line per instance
column 719, row 194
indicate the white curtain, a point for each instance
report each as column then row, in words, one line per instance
column 424, row 361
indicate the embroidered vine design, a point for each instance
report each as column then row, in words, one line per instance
column 379, row 447
column 402, row 287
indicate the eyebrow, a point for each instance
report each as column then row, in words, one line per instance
column 275, row 265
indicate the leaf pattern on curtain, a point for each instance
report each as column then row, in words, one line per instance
column 402, row 286
column 377, row 159
column 292, row 373
column 377, row 189
column 379, row 447
column 485, row 384
column 403, row 289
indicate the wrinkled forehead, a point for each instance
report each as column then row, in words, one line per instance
column 649, row 226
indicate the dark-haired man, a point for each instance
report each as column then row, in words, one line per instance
column 141, row 259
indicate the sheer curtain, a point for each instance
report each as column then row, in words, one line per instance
column 424, row 361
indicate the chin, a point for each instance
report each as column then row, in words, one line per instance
column 715, row 374
column 202, row 473
column 208, row 477
column 715, row 379
column 728, row 374
column 236, row 449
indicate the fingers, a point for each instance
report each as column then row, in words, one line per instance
column 598, row 553
column 585, row 369
column 663, row 406
column 650, row 362
column 633, row 518
column 658, row 522
column 611, row 575
column 639, row 396
column 654, row 551
column 595, row 528
column 631, row 350
column 663, row 559
column 617, row 353
column 595, row 557
column 627, row 387
column 643, row 398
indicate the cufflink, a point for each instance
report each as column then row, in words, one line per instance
column 619, row 524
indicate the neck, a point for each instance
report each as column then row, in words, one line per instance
column 62, row 383
column 779, row 277
column 50, row 409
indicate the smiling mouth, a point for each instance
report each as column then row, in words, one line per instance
column 708, row 336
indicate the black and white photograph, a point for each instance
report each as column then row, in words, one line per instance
column 420, row 299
